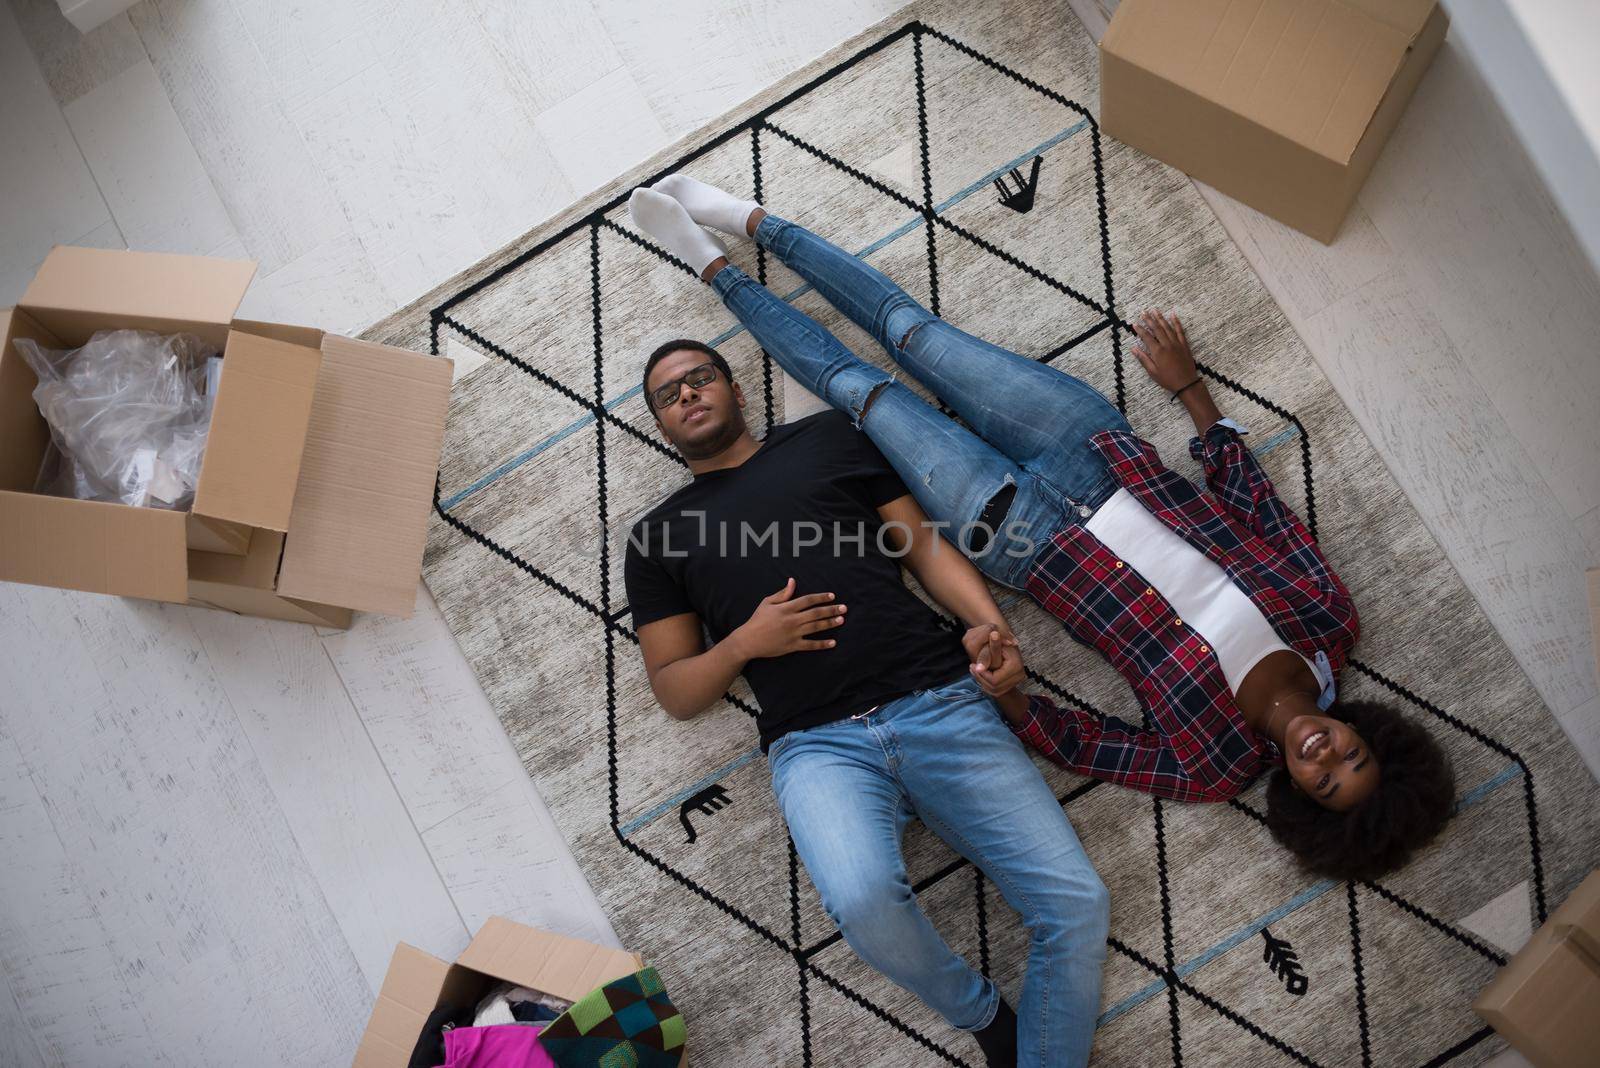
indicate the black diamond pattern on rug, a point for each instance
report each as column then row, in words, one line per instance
column 1083, row 315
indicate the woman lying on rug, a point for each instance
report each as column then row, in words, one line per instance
column 1219, row 609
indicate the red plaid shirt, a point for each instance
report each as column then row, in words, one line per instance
column 1200, row 748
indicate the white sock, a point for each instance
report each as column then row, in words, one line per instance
column 708, row 205
column 664, row 219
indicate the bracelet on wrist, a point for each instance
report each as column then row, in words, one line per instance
column 1175, row 393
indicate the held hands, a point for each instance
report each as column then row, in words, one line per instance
column 996, row 660
column 1163, row 349
column 783, row 623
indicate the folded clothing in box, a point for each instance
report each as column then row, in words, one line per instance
column 620, row 1009
column 457, row 1035
column 630, row 1020
column 496, row 1046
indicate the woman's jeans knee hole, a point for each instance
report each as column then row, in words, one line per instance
column 872, row 395
column 992, row 519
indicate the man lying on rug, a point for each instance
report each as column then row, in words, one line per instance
column 789, row 551
column 1218, row 608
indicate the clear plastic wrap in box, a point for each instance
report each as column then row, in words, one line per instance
column 128, row 415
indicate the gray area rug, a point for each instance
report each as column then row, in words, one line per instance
column 890, row 146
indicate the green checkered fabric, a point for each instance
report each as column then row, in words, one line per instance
column 628, row 1023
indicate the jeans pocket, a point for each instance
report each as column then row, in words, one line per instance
column 962, row 689
column 777, row 745
column 785, row 740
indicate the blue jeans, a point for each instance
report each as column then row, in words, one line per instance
column 847, row 790
column 1030, row 423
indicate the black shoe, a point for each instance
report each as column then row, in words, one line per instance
column 999, row 1040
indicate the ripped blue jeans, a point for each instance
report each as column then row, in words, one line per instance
column 1000, row 490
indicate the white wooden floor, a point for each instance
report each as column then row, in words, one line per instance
column 214, row 829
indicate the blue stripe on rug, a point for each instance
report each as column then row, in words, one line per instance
column 683, row 795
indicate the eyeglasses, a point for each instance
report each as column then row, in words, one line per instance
column 695, row 378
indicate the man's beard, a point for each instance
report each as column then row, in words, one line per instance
column 701, row 450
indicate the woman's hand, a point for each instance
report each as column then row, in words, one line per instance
column 996, row 659
column 1014, row 706
column 1163, row 350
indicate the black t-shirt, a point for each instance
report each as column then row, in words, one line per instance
column 804, row 505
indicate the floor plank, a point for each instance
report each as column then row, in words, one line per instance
column 35, row 867
column 155, row 856
column 486, row 826
column 1589, row 528
column 591, row 154
column 50, row 196
column 464, row 103
column 309, row 47
column 51, row 936
column 1483, row 244
column 332, row 287
column 502, row 855
column 17, row 1047
column 74, row 63
column 275, row 194
column 106, row 235
column 156, row 187
column 550, row 58
column 1448, row 448
column 1582, row 725
column 333, row 789
column 392, row 186
column 737, row 49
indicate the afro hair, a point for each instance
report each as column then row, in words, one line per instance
column 1414, row 797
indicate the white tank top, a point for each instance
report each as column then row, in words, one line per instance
column 1200, row 592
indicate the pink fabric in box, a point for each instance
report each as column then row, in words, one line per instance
column 496, row 1046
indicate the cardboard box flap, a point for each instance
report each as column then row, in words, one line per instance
column 410, row 989
column 92, row 288
column 309, row 336
column 1543, row 1001
column 414, row 979
column 366, row 479
column 1407, row 16
column 258, row 431
column 23, row 432
column 1579, row 915
column 545, row 961
column 91, row 546
column 1312, row 71
column 246, row 584
column 257, row 569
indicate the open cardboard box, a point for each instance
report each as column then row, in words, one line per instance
column 1546, row 1000
column 318, row 471
column 418, row 982
column 1283, row 104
